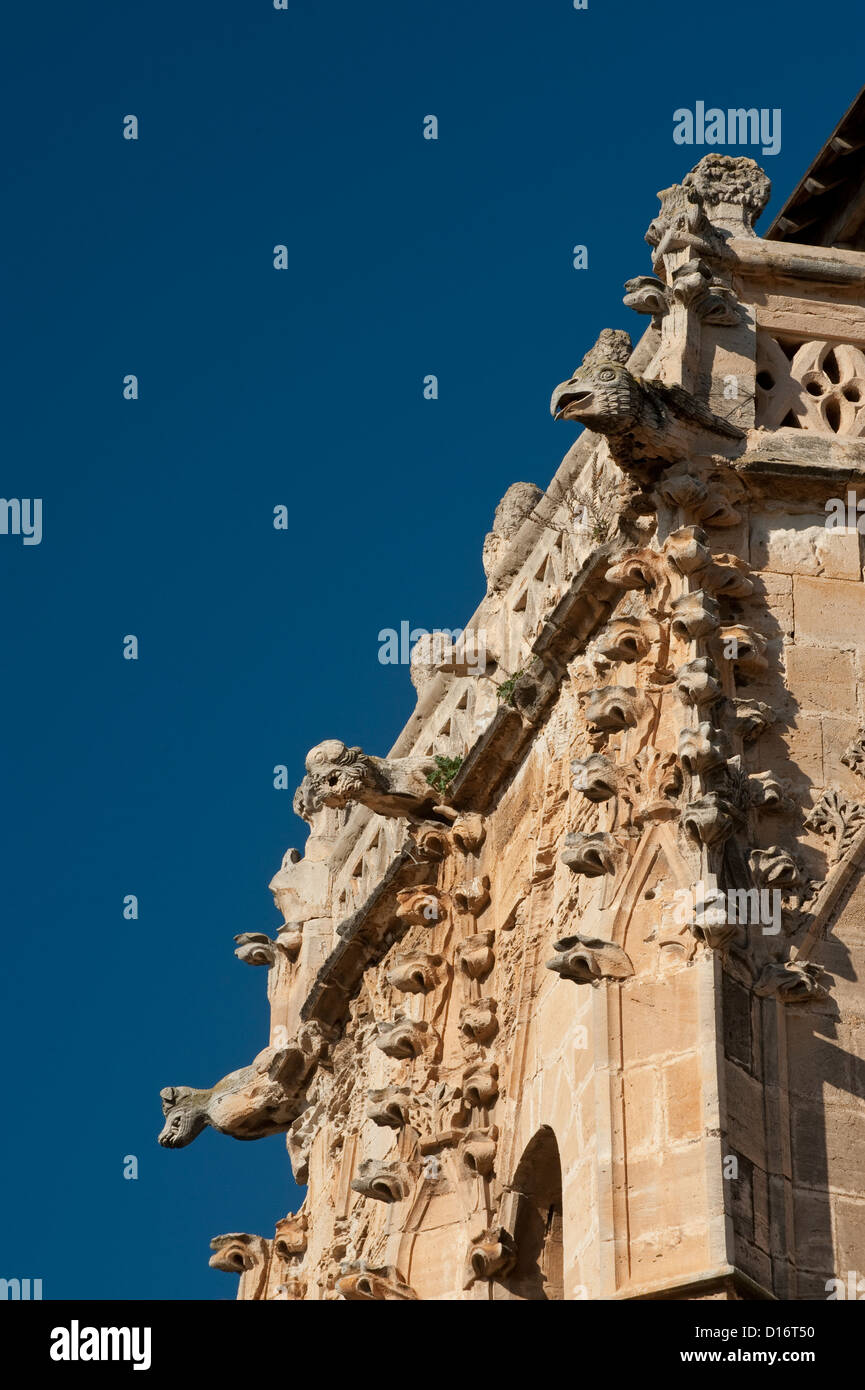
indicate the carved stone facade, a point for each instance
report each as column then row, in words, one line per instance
column 582, row 1017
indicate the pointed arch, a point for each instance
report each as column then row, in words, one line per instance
column 538, row 1226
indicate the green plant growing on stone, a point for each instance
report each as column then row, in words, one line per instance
column 506, row 689
column 598, row 505
column 446, row 771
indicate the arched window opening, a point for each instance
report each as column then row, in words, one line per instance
column 537, row 1188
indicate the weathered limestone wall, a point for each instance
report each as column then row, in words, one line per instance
column 579, row 1016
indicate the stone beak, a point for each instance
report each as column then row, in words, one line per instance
column 570, row 399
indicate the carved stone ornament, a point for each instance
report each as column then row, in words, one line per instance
column 591, row 854
column 613, row 707
column 237, row 1252
column 337, row 775
column 492, row 1254
column 478, row 1022
column 711, row 922
column 404, row 1038
column 698, row 682
column 251, row 1103
column 596, row 777
column 854, row 756
column 414, row 972
column 477, row 1151
column 791, row 981
column 358, row 1283
column 420, row 907
column 839, row 817
column 255, row 948
column 643, row 421
column 383, row 1182
column 751, row 718
column 290, row 1237
column 468, row 832
column 473, row 896
column 389, row 1106
column 711, row 819
column 475, row 955
column 480, row 1085
column 702, row 748
column 587, row 960
column 695, row 615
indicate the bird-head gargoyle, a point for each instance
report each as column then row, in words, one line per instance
column 645, row 422
column 337, row 775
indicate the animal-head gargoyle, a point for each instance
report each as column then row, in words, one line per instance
column 645, row 422
column 251, row 1103
column 337, row 775
column 358, row 1283
column 588, row 959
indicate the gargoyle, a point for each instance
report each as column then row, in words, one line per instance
column 420, row 907
column 751, row 718
column 475, row 955
column 712, row 922
column 695, row 615
column 385, row 1182
column 478, row 1150
column 252, row 1103
column 596, row 777
column 711, row 819
column 588, row 959
column 702, row 748
column 492, row 1254
column 645, row 422
column 360, row 1284
column 469, row 832
column 698, row 683
column 389, row 1107
column 624, row 639
column 414, row 972
column 791, row 981
column 404, row 1038
column 480, row 1086
column 256, row 948
column 238, row 1252
column 291, row 1235
column 337, row 775
column 614, row 707
column 473, row 897
column 591, row 854
column 478, row 1022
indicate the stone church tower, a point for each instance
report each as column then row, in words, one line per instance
column 567, row 1001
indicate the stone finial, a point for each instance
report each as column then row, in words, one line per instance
column 733, row 188
column 612, row 345
column 515, row 507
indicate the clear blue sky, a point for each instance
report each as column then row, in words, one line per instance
column 260, row 387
